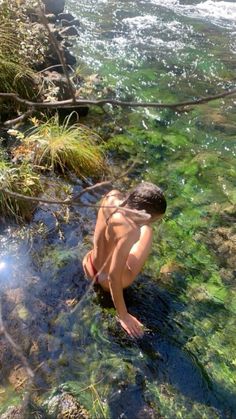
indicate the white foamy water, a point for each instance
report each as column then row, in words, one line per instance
column 222, row 13
column 219, row 10
column 141, row 22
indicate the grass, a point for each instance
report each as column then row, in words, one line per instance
column 65, row 147
column 15, row 75
column 20, row 179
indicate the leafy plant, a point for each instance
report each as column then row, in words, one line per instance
column 16, row 74
column 19, row 179
column 65, row 147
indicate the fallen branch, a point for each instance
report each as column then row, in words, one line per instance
column 19, row 119
column 100, row 102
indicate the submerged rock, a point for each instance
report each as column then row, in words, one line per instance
column 69, row 31
column 55, row 7
column 66, row 406
column 51, row 18
column 67, row 16
column 66, row 23
column 13, row 412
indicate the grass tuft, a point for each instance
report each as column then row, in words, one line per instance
column 65, row 147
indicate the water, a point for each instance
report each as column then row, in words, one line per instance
column 186, row 297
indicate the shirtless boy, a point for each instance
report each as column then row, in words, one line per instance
column 122, row 243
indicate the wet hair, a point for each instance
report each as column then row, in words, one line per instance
column 146, row 196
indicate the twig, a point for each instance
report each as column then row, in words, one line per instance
column 104, row 183
column 71, row 202
column 54, row 66
column 19, row 119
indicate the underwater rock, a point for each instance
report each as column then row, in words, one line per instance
column 55, row 7
column 69, row 31
column 170, row 267
column 13, row 412
column 67, row 23
column 18, row 377
column 51, row 18
column 66, row 406
column 66, row 16
column 223, row 241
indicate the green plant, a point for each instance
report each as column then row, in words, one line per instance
column 19, row 179
column 16, row 74
column 65, row 147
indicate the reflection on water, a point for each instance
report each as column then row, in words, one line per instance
column 185, row 364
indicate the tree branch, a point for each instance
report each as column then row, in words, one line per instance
column 100, row 102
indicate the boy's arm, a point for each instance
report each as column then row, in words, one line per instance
column 127, row 238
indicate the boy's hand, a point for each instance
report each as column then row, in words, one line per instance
column 131, row 325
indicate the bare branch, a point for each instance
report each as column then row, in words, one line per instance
column 54, row 66
column 71, row 202
column 19, row 119
column 100, row 102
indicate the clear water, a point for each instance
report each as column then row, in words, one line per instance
column 186, row 297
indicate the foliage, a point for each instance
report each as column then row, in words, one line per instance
column 64, row 147
column 20, row 48
column 19, row 179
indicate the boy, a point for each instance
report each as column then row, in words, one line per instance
column 122, row 243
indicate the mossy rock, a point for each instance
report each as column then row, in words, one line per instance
column 64, row 406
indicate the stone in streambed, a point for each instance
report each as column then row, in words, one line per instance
column 67, row 16
column 69, row 31
column 54, row 6
column 14, row 412
column 66, row 23
column 51, row 18
column 66, row 406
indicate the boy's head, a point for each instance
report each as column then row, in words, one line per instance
column 146, row 196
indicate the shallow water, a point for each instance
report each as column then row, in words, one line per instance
column 186, row 297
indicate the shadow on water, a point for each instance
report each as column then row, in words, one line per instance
column 166, row 360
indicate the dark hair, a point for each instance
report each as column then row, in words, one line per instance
column 146, row 196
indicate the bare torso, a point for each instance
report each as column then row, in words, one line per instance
column 113, row 225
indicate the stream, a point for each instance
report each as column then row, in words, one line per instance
column 185, row 365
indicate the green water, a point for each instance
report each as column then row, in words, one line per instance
column 185, row 366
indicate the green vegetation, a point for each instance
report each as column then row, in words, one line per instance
column 19, row 179
column 64, row 147
column 15, row 74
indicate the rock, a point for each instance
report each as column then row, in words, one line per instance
column 170, row 267
column 65, row 23
column 70, row 58
column 60, row 82
column 67, row 16
column 69, row 31
column 66, row 406
column 51, row 18
column 74, row 22
column 18, row 377
column 67, row 44
column 13, row 412
column 54, row 6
